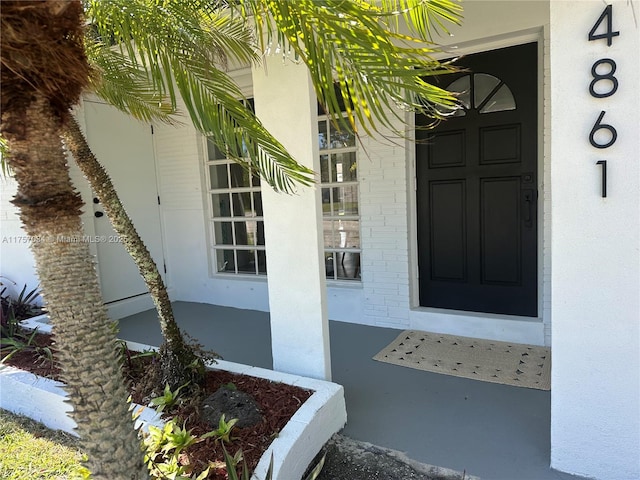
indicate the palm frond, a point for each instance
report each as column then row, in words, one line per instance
column 213, row 102
column 5, row 169
column 125, row 86
column 380, row 71
column 183, row 47
column 425, row 19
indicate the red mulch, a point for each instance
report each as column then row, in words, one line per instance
column 277, row 401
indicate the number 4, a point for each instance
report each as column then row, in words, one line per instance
column 608, row 34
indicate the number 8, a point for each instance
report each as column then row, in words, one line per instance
column 607, row 76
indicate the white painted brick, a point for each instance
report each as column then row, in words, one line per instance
column 383, row 289
column 396, row 220
column 397, row 312
column 374, row 301
column 386, row 276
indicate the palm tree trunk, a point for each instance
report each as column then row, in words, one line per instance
column 85, row 337
column 179, row 363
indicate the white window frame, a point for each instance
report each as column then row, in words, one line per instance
column 335, row 255
column 217, row 245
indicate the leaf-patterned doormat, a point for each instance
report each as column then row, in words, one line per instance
column 486, row 360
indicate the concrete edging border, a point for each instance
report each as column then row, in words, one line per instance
column 322, row 415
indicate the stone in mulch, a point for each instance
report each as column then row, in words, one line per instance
column 233, row 404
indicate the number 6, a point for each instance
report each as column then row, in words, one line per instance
column 600, row 126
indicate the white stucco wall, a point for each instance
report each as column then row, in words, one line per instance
column 16, row 261
column 595, row 425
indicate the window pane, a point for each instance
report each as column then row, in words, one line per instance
column 242, row 234
column 330, row 265
column 255, row 179
column 349, row 232
column 343, row 167
column 225, row 261
column 221, row 205
column 239, row 175
column 326, row 201
column 323, row 139
column 483, row 84
column 502, row 100
column 246, row 261
column 218, row 176
column 257, row 204
column 242, row 204
column 222, row 233
column 213, row 152
column 462, row 86
column 262, row 262
column 259, row 233
column 348, row 266
column 342, row 138
column 249, row 233
column 327, row 230
column 345, row 200
column 324, row 168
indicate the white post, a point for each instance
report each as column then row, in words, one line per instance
column 286, row 104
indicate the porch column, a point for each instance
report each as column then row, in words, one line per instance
column 286, row 104
column 595, row 298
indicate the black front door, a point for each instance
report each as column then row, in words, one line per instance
column 477, row 189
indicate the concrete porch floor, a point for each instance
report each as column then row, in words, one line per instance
column 496, row 432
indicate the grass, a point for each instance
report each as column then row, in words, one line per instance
column 29, row 450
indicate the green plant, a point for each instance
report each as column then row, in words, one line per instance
column 223, row 432
column 232, row 466
column 168, row 399
column 16, row 344
column 164, row 447
column 129, row 357
column 14, row 338
column 23, row 307
column 315, row 471
column 233, row 462
column 10, row 323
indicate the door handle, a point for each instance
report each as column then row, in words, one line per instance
column 528, row 197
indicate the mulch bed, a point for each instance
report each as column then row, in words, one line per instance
column 277, row 403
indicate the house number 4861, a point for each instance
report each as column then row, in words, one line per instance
column 603, row 84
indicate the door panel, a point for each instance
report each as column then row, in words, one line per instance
column 476, row 189
column 448, row 235
column 124, row 147
column 500, row 231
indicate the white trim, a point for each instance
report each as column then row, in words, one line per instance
column 131, row 306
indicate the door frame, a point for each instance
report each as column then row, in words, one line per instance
column 429, row 318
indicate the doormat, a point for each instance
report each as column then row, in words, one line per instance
column 486, row 360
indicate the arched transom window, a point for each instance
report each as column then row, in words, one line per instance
column 482, row 92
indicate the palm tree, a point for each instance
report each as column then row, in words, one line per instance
column 360, row 45
column 44, row 71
